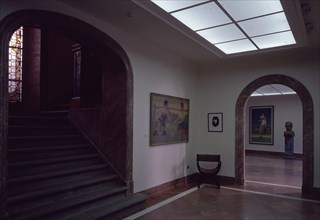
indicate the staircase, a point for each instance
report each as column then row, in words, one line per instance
column 54, row 173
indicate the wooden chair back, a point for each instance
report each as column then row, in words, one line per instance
column 208, row 174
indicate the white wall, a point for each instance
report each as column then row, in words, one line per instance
column 157, row 71
column 286, row 108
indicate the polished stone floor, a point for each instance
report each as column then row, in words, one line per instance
column 273, row 170
column 229, row 204
column 272, row 191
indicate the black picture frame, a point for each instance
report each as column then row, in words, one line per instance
column 261, row 125
column 215, row 122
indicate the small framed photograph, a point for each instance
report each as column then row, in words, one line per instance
column 261, row 125
column 215, row 122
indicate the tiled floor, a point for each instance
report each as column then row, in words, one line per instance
column 272, row 191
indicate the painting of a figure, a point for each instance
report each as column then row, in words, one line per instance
column 261, row 125
column 169, row 119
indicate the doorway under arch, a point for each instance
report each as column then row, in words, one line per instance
column 308, row 128
column 117, row 85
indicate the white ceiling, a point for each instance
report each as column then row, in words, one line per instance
column 134, row 18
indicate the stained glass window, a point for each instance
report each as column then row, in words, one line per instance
column 15, row 66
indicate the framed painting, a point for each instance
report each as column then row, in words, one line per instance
column 261, row 125
column 215, row 122
column 169, row 119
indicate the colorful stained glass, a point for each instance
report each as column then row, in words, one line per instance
column 15, row 66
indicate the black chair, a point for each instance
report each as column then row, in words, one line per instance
column 208, row 175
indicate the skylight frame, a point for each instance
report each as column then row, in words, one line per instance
column 202, row 16
column 273, row 90
column 238, row 46
column 231, row 33
column 259, row 26
column 234, row 21
column 277, row 39
column 233, row 8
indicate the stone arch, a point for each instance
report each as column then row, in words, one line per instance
column 117, row 84
column 308, row 128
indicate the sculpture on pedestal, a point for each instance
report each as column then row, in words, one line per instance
column 289, row 143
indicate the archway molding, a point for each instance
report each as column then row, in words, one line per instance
column 117, row 85
column 308, row 126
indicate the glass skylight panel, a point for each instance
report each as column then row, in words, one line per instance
column 222, row 34
column 170, row 6
column 283, row 89
column 272, row 93
column 229, row 24
column 236, row 46
column 267, row 89
column 273, row 89
column 202, row 16
column 240, row 10
column 256, row 94
column 265, row 25
column 289, row 93
column 274, row 40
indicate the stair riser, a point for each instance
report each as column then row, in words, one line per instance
column 69, row 214
column 115, row 207
column 123, row 209
column 104, row 187
column 16, row 172
column 49, row 121
column 60, row 107
column 38, row 142
column 29, row 131
column 57, row 113
column 18, row 189
column 42, row 155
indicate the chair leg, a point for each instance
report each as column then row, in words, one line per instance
column 217, row 182
column 214, row 180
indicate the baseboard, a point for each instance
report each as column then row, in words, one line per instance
column 190, row 179
column 271, row 153
column 227, row 180
column 170, row 185
column 316, row 192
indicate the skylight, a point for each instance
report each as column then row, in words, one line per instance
column 234, row 26
column 273, row 89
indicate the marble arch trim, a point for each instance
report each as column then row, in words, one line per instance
column 308, row 126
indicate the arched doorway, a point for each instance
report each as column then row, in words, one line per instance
column 117, row 85
column 307, row 111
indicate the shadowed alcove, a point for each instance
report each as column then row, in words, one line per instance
column 117, row 87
